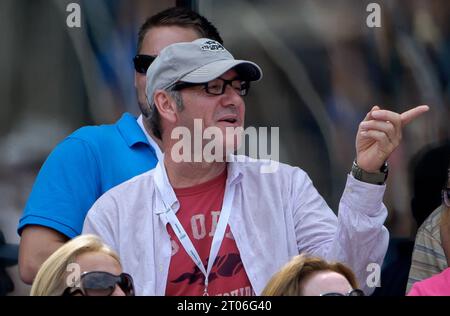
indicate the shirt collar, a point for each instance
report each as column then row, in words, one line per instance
column 150, row 140
column 167, row 194
column 235, row 172
column 131, row 131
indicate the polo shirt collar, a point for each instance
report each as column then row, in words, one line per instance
column 131, row 131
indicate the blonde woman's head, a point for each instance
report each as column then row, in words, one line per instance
column 84, row 253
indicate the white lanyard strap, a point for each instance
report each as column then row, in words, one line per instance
column 217, row 239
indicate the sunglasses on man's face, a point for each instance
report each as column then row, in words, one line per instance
column 355, row 292
column 99, row 283
column 142, row 62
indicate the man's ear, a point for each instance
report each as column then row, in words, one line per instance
column 166, row 105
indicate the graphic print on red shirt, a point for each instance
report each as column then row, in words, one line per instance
column 199, row 214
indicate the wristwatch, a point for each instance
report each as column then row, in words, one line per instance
column 373, row 178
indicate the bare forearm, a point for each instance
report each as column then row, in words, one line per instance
column 36, row 245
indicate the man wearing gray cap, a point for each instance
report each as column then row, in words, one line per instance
column 221, row 227
column 94, row 159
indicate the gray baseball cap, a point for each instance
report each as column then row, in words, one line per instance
column 199, row 61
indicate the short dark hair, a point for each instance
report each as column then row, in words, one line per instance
column 428, row 170
column 182, row 17
column 176, row 16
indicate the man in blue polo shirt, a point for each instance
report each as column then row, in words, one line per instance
column 96, row 158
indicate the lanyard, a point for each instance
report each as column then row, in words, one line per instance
column 217, row 239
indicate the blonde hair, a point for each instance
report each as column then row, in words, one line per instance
column 290, row 279
column 50, row 279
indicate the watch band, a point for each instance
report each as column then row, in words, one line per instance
column 373, row 178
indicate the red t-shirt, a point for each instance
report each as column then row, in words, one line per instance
column 199, row 213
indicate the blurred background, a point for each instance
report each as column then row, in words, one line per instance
column 324, row 69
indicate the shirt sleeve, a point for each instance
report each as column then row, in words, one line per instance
column 356, row 237
column 102, row 221
column 66, row 187
column 428, row 258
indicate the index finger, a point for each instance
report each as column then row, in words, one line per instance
column 369, row 114
column 410, row 115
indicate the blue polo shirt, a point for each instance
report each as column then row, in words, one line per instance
column 81, row 168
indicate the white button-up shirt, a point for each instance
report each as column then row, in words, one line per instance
column 274, row 217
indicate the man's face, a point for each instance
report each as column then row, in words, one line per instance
column 221, row 111
column 154, row 41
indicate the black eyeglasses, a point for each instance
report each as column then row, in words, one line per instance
column 99, row 283
column 446, row 196
column 217, row 86
column 355, row 292
column 142, row 62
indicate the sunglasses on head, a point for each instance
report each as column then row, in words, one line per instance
column 142, row 62
column 99, row 283
column 355, row 292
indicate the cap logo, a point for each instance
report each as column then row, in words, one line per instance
column 212, row 46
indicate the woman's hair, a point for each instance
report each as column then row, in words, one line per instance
column 290, row 279
column 51, row 277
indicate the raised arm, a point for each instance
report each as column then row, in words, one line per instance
column 358, row 237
